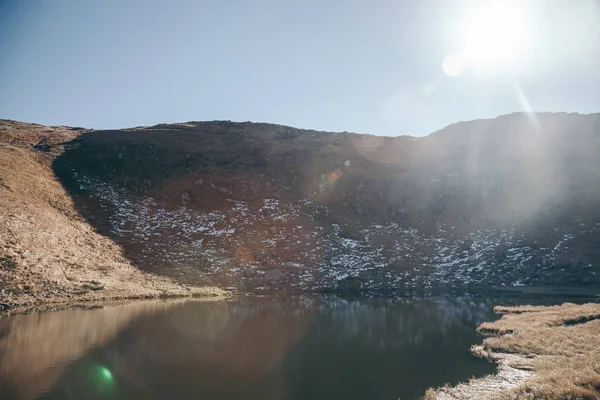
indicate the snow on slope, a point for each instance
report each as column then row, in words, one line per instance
column 279, row 245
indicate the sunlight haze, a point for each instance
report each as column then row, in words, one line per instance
column 383, row 67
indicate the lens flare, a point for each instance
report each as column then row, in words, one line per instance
column 106, row 374
column 453, row 65
column 335, row 175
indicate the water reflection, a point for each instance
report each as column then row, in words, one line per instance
column 35, row 348
column 298, row 348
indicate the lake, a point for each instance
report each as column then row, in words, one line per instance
column 244, row 348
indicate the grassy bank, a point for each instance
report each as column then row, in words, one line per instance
column 48, row 252
column 543, row 353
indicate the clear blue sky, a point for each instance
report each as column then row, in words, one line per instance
column 362, row 66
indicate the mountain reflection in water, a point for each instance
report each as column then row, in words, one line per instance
column 251, row 348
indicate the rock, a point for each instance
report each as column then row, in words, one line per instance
column 185, row 198
column 274, row 275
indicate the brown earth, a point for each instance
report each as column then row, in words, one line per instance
column 48, row 252
column 486, row 173
column 497, row 182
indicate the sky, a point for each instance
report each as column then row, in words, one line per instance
column 381, row 66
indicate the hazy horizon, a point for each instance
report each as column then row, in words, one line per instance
column 385, row 68
column 533, row 120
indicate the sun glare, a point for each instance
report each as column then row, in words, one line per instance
column 494, row 34
column 492, row 37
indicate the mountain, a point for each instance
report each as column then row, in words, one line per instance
column 509, row 201
column 48, row 252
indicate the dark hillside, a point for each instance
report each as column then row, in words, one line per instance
column 508, row 201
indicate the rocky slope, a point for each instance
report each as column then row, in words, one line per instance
column 504, row 202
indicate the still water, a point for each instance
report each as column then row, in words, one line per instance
column 250, row 348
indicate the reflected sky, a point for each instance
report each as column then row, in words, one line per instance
column 295, row 348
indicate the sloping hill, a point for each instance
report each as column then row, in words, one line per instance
column 508, row 201
column 47, row 251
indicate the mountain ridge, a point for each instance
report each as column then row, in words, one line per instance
column 265, row 207
column 268, row 124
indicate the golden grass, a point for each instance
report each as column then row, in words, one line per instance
column 560, row 344
column 565, row 343
column 48, row 253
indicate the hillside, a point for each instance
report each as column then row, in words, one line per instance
column 503, row 202
column 47, row 251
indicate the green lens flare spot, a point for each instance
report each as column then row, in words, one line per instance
column 106, row 374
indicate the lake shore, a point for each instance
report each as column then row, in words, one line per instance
column 162, row 291
column 542, row 352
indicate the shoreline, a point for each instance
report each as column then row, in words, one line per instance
column 506, row 378
column 208, row 292
column 22, row 309
column 93, row 299
column 554, row 291
column 545, row 352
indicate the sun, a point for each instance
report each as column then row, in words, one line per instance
column 493, row 36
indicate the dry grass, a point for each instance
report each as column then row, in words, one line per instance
column 47, row 251
column 565, row 343
column 560, row 344
column 525, row 317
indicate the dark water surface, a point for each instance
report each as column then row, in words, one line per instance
column 251, row 348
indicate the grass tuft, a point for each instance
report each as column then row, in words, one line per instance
column 7, row 263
